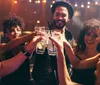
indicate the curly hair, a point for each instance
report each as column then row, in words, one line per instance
column 90, row 24
column 11, row 21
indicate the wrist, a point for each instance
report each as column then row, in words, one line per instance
column 25, row 52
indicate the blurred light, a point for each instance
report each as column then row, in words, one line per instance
column 53, row 2
column 50, row 6
column 77, row 13
column 44, row 1
column 30, row 0
column 88, row 2
column 82, row 5
column 38, row 1
column 76, row 5
column 38, row 21
column 88, row 6
column 34, row 12
column 96, row 2
column 15, row 2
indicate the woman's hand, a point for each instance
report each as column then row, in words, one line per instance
column 57, row 43
column 30, row 47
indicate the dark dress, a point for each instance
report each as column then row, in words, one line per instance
column 20, row 77
column 84, row 76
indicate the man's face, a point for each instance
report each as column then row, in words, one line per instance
column 60, row 17
column 14, row 32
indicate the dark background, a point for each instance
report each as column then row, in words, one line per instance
column 32, row 11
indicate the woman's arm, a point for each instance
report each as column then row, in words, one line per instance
column 89, row 63
column 12, row 44
column 9, row 66
column 80, row 64
column 63, row 75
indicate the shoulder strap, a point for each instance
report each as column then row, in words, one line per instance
column 78, row 57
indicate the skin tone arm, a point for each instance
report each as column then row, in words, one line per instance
column 80, row 64
column 63, row 75
column 12, row 44
column 9, row 66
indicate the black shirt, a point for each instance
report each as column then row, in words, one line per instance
column 20, row 77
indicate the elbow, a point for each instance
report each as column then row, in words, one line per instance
column 76, row 65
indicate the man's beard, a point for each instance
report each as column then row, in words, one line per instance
column 59, row 24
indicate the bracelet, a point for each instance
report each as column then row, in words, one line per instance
column 25, row 52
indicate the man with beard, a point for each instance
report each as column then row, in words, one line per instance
column 62, row 14
column 45, row 66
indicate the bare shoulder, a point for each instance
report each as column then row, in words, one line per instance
column 80, row 54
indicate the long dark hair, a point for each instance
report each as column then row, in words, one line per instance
column 90, row 24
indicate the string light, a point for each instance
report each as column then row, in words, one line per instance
column 88, row 6
column 76, row 5
column 30, row 0
column 88, row 2
column 15, row 2
column 38, row 21
column 96, row 2
column 53, row 2
column 50, row 6
column 44, row 1
column 38, row 1
column 82, row 5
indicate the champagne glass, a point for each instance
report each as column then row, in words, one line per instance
column 41, row 31
column 51, row 47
